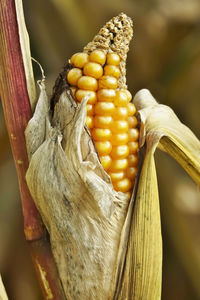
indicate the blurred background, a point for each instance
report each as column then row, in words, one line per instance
column 165, row 58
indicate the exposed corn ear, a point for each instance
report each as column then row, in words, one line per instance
column 105, row 245
column 110, row 114
column 82, row 212
column 99, row 73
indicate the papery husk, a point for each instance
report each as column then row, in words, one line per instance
column 161, row 127
column 82, row 212
column 3, row 295
column 104, row 246
column 26, row 53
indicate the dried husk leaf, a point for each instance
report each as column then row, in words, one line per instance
column 26, row 53
column 3, row 295
column 142, row 276
column 75, row 197
column 161, row 127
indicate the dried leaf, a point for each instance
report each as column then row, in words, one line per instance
column 75, row 197
column 3, row 295
column 26, row 54
column 160, row 126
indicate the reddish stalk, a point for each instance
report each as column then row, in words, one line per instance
column 17, row 111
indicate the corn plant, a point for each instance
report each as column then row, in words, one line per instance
column 87, row 163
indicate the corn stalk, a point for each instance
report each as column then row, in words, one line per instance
column 17, row 92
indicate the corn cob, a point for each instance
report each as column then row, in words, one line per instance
column 110, row 114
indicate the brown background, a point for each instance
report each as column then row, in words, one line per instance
column 165, row 58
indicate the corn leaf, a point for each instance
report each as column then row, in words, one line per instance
column 3, row 295
column 160, row 126
column 26, row 53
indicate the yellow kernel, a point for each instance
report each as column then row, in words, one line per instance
column 112, row 71
column 73, row 91
column 119, row 126
column 132, row 122
column 121, row 98
column 119, row 152
column 81, row 94
column 90, row 109
column 79, row 59
column 129, row 96
column 132, row 160
column 104, row 108
column 133, row 147
column 119, row 165
column 128, row 194
column 119, row 139
column 123, row 185
column 106, row 95
column 105, row 161
column 73, row 76
column 87, row 83
column 101, row 134
column 98, row 56
column 116, row 176
column 120, row 113
column 133, row 135
column 90, row 121
column 93, row 69
column 103, row 148
column 103, row 121
column 113, row 59
column 107, row 82
column 131, row 172
column 131, row 109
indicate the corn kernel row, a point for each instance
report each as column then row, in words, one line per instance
column 110, row 114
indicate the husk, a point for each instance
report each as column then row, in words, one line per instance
column 3, row 295
column 85, row 217
column 26, row 53
column 161, row 127
column 142, row 269
column 75, row 197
